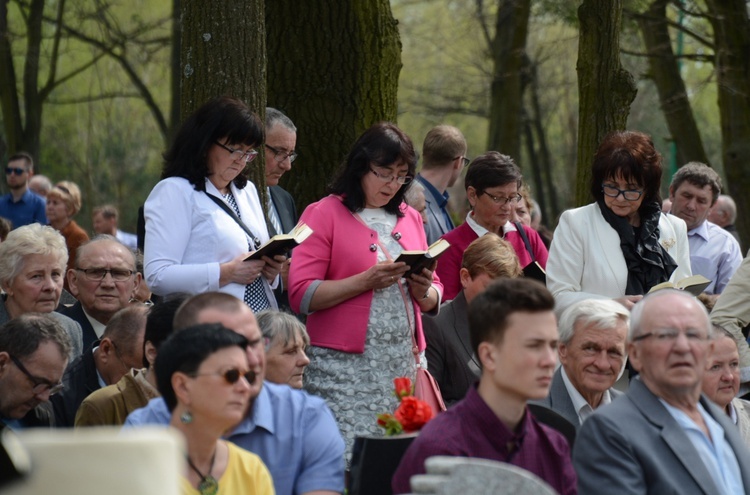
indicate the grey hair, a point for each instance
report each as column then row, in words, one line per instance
column 718, row 332
column 636, row 314
column 278, row 325
column 274, row 117
column 81, row 252
column 27, row 240
column 412, row 193
column 600, row 313
column 726, row 203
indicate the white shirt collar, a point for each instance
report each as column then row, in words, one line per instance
column 480, row 231
column 583, row 408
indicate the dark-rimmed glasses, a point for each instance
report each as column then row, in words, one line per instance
column 98, row 274
column 501, row 200
column 401, row 179
column 670, row 335
column 231, row 375
column 14, row 170
column 281, row 155
column 464, row 159
column 41, row 385
column 248, row 155
column 628, row 194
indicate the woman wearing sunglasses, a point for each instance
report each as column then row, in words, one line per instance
column 204, row 217
column 621, row 245
column 364, row 314
column 203, row 375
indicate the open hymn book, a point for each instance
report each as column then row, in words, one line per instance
column 694, row 285
column 282, row 243
column 417, row 260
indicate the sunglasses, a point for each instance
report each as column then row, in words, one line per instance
column 231, row 375
column 15, row 170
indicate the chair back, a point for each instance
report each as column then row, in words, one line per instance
column 374, row 461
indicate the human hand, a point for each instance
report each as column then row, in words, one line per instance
column 384, row 274
column 240, row 271
column 420, row 283
column 273, row 266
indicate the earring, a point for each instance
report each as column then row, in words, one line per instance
column 186, row 417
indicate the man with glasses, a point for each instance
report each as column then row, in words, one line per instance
column 663, row 436
column 34, row 351
column 281, row 139
column 104, row 280
column 443, row 160
column 119, row 350
column 20, row 205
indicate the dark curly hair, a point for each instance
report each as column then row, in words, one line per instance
column 381, row 145
column 218, row 118
column 629, row 154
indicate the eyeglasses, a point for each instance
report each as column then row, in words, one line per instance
column 465, row 160
column 401, row 179
column 628, row 194
column 281, row 155
column 248, row 155
column 231, row 375
column 670, row 335
column 14, row 170
column 98, row 274
column 41, row 385
column 501, row 200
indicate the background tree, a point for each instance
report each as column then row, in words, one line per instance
column 334, row 69
column 605, row 88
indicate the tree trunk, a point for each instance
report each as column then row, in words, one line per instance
column 506, row 92
column 174, row 73
column 605, row 89
column 333, row 69
column 222, row 52
column 671, row 88
column 732, row 39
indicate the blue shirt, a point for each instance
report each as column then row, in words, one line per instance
column 28, row 209
column 439, row 221
column 715, row 254
column 716, row 453
column 294, row 433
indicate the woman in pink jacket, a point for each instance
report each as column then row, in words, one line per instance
column 363, row 313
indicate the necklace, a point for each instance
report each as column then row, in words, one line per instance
column 208, row 484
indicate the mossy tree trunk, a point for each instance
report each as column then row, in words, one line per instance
column 333, row 68
column 605, row 88
column 508, row 49
column 732, row 60
column 223, row 52
column 665, row 73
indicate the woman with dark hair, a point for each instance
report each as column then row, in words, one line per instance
column 204, row 217
column 203, row 375
column 363, row 314
column 492, row 189
column 621, row 245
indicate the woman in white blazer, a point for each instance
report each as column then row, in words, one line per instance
column 621, row 245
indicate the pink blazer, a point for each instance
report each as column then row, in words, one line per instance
column 341, row 247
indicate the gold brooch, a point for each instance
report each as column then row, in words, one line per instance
column 668, row 243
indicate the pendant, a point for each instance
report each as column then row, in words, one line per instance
column 208, row 485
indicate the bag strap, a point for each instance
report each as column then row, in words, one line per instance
column 525, row 238
column 221, row 204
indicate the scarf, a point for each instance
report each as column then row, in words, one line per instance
column 648, row 262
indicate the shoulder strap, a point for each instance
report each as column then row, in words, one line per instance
column 221, row 204
column 525, row 238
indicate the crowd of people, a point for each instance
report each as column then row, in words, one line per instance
column 271, row 368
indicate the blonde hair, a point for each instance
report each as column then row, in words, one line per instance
column 492, row 255
column 27, row 240
column 69, row 193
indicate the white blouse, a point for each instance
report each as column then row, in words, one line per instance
column 188, row 236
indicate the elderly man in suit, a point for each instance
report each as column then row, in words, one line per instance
column 663, row 436
column 592, row 354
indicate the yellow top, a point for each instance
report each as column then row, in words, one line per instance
column 245, row 474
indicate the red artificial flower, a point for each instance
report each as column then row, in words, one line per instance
column 413, row 413
column 402, row 386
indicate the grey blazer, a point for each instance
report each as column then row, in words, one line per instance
column 559, row 399
column 285, row 207
column 633, row 445
column 437, row 225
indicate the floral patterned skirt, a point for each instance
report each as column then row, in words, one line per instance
column 358, row 387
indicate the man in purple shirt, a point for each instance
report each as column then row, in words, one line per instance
column 514, row 334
